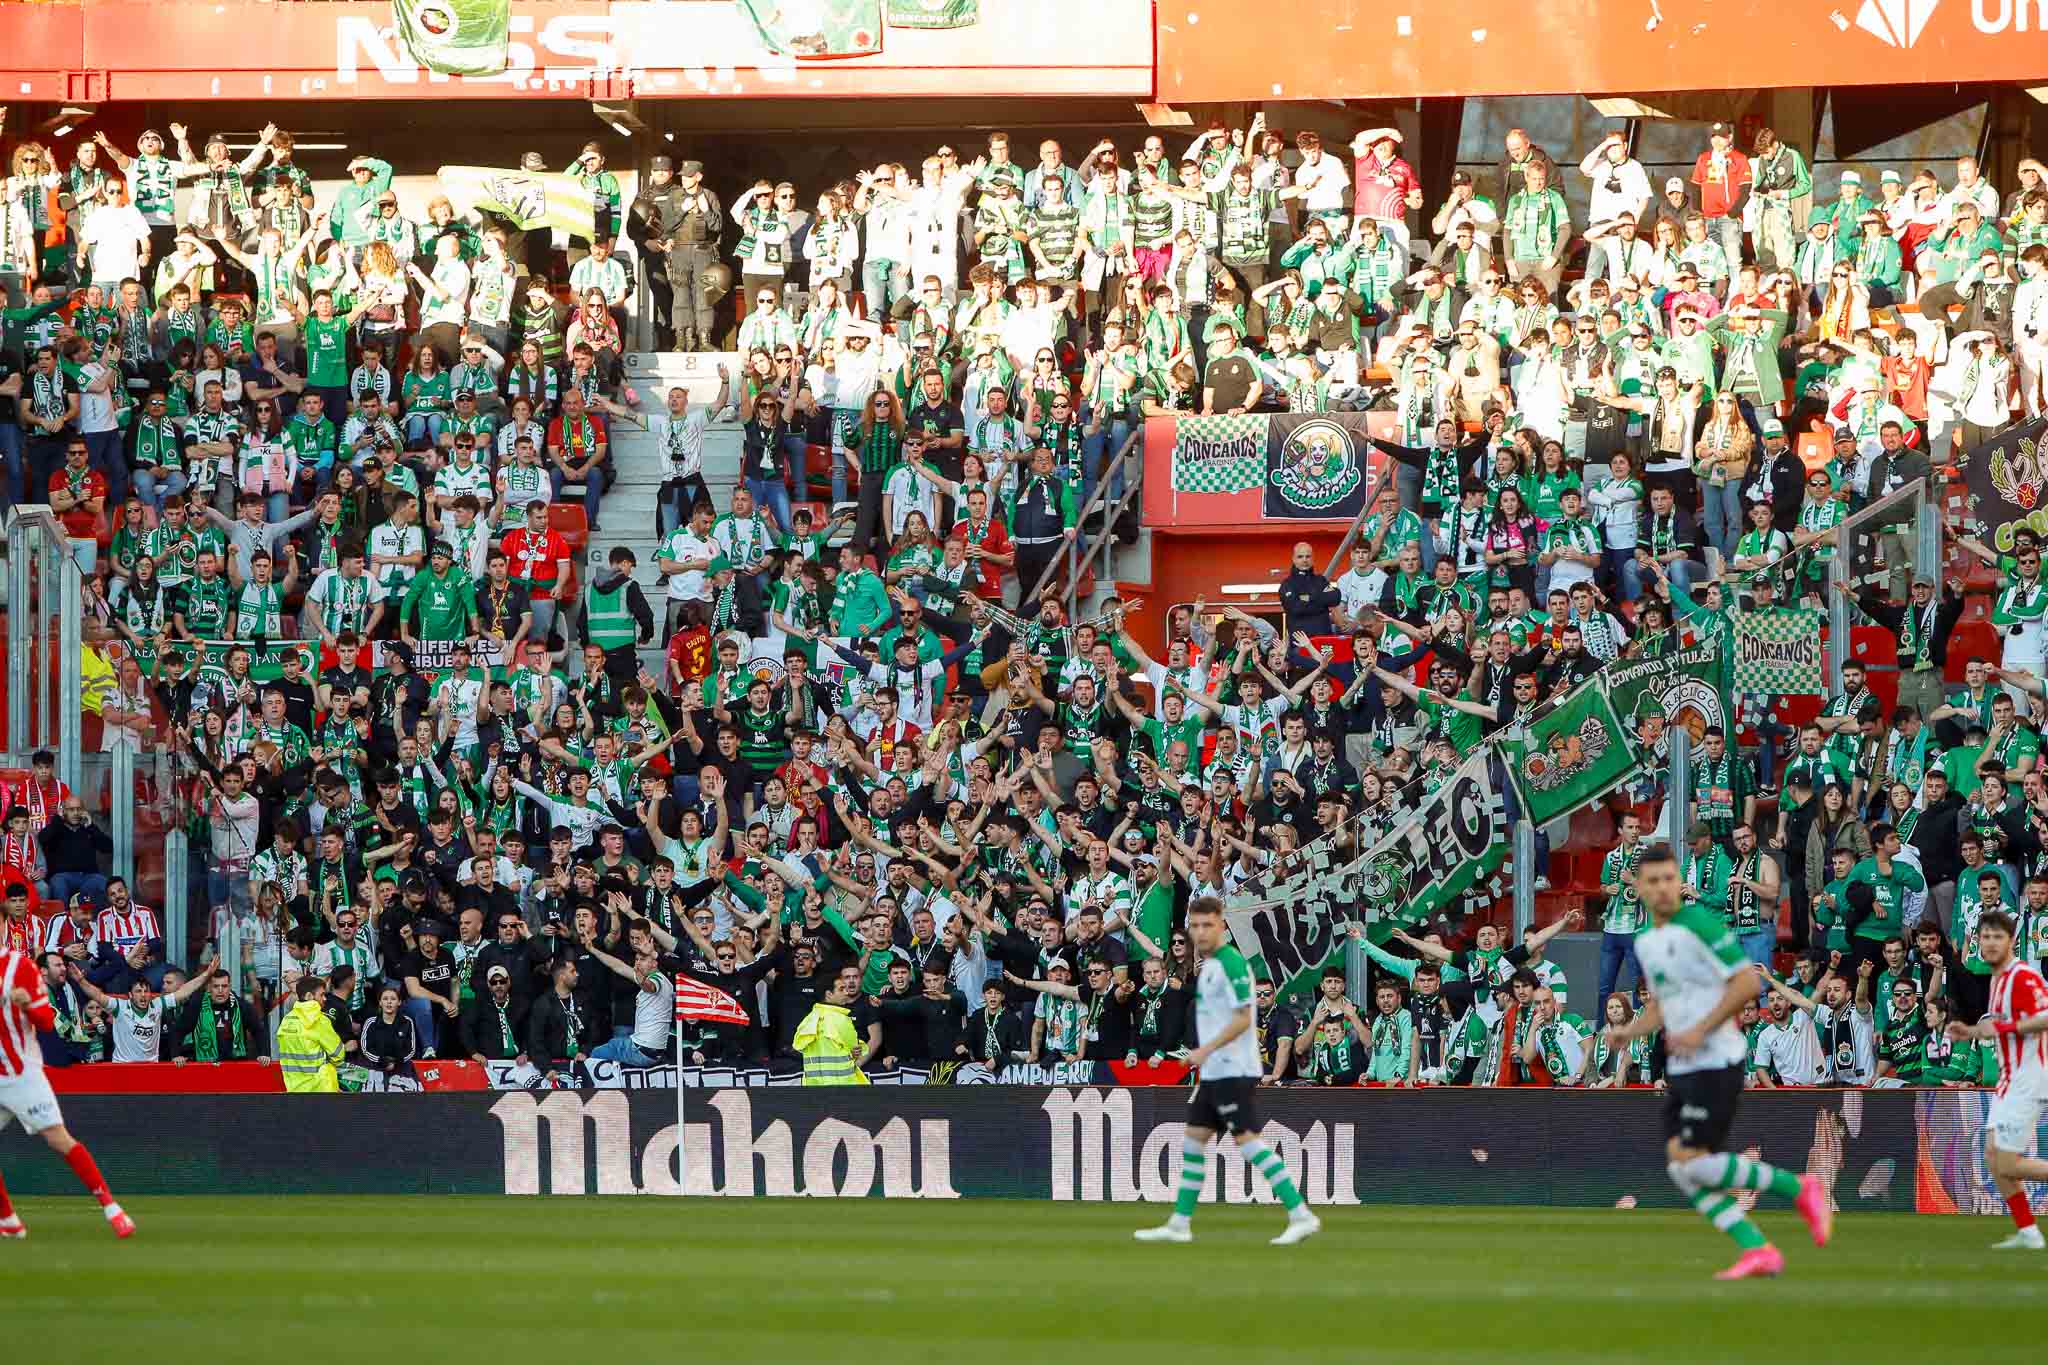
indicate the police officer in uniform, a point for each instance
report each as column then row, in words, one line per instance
column 687, row 220
column 653, row 215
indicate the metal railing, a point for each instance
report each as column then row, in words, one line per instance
column 1084, row 553
column 45, row 608
column 46, row 706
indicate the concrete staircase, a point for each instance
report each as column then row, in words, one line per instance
column 629, row 506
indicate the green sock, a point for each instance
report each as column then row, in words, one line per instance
column 1726, row 1215
column 1268, row 1164
column 1743, row 1174
column 1193, row 1157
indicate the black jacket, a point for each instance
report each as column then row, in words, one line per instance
column 1946, row 614
column 1306, row 597
column 525, row 962
column 549, row 1028
column 390, row 1048
column 1786, row 477
column 482, row 1034
column 1011, row 1036
column 1934, row 838
column 792, row 996
column 73, row 848
column 1685, row 537
column 255, row 1037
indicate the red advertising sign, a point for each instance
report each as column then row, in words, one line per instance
column 167, row 1078
column 1356, row 50
column 577, row 49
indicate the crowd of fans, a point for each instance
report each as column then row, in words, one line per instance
column 295, row 418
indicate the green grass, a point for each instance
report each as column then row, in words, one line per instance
column 614, row 1280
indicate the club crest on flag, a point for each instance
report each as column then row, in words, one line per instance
column 2018, row 476
column 1566, row 755
column 523, row 197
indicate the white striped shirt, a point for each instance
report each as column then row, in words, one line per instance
column 125, row 929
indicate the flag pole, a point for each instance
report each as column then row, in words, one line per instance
column 682, row 1147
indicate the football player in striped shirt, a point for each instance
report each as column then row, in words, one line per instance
column 1699, row 980
column 25, row 1092
column 2017, row 1020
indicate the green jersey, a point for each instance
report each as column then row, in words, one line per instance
column 1887, row 913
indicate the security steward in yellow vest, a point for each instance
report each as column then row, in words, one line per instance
column 616, row 617
column 308, row 1049
column 827, row 1040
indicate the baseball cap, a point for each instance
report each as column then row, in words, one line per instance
column 1773, row 427
column 533, row 161
column 1718, row 130
column 1700, row 830
column 1852, row 177
column 497, row 974
column 1674, row 183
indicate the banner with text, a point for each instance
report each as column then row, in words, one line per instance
column 1687, row 686
column 1889, row 1150
column 1219, row 454
column 1317, row 466
column 1780, row 652
column 266, row 657
column 1454, row 842
column 438, row 656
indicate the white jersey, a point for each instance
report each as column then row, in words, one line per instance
column 138, row 1034
column 1689, row 962
column 1223, row 989
column 653, row 1013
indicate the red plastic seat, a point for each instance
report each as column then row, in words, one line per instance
column 569, row 520
column 1970, row 640
column 817, row 475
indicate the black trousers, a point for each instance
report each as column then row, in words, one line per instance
column 1032, row 562
column 1971, row 993
column 867, row 527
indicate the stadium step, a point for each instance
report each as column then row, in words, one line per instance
column 628, row 516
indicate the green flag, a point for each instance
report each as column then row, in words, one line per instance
column 1219, row 454
column 1573, row 753
column 455, row 37
column 1687, row 686
column 1779, row 651
column 1449, row 847
column 826, row 28
column 266, row 664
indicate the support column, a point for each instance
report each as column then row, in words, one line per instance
column 1678, row 800
column 20, row 638
column 1525, row 875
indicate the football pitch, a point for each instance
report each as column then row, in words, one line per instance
column 208, row 1279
